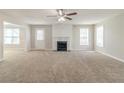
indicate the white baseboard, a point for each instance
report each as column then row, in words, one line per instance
column 109, row 55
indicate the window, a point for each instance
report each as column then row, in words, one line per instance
column 11, row 36
column 99, row 38
column 84, row 36
column 40, row 35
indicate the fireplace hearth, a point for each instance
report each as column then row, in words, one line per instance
column 61, row 45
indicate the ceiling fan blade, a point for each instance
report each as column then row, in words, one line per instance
column 60, row 12
column 68, row 18
column 70, row 14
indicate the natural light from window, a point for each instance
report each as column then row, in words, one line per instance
column 40, row 34
column 84, row 36
column 11, row 35
column 99, row 36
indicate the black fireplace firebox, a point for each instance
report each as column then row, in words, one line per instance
column 61, row 45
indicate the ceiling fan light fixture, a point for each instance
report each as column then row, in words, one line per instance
column 62, row 16
column 61, row 19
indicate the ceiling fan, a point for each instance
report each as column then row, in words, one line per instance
column 62, row 16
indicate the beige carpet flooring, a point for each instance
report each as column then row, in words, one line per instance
column 60, row 67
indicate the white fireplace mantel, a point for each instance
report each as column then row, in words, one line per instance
column 61, row 32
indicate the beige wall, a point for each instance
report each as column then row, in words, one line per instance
column 48, row 35
column 27, row 38
column 76, row 37
column 63, row 30
column 113, row 37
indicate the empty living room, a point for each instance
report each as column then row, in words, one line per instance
column 61, row 46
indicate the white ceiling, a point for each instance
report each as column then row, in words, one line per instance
column 39, row 16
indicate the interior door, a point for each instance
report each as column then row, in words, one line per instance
column 39, row 39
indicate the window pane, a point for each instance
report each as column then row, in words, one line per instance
column 11, row 36
column 40, row 35
column 7, row 32
column 84, row 36
column 100, row 36
column 15, row 41
column 7, row 40
column 16, row 32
